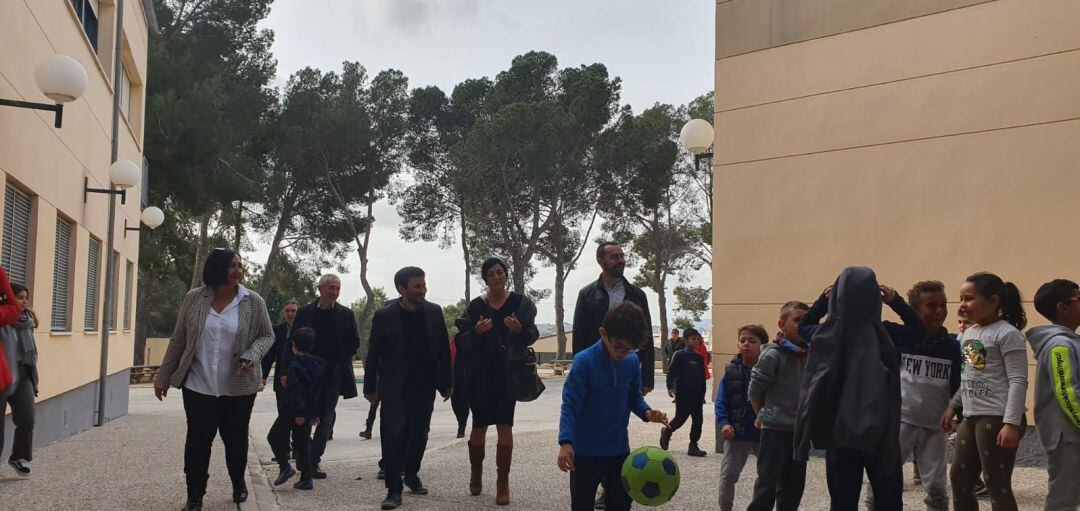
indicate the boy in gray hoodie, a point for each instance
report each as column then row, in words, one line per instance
column 1057, row 384
column 774, row 395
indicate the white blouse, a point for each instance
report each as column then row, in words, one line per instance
column 215, row 353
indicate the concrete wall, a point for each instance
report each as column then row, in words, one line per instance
column 930, row 147
column 49, row 164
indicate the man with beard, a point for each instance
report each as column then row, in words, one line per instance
column 337, row 339
column 596, row 298
column 408, row 361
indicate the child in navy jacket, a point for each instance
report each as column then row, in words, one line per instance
column 603, row 388
column 686, row 383
column 735, row 416
column 300, row 409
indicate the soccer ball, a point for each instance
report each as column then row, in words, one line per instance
column 650, row 475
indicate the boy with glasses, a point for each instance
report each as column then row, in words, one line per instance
column 603, row 388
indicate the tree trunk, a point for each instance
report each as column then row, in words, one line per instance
column 466, row 255
column 200, row 250
column 661, row 300
column 362, row 249
column 275, row 248
column 142, row 316
column 239, row 217
column 560, row 309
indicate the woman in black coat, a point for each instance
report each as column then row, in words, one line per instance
column 499, row 325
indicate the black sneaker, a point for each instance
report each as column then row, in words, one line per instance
column 192, row 505
column 317, row 473
column 695, row 451
column 415, row 486
column 665, row 438
column 284, row 475
column 239, row 495
column 304, row 484
column 392, row 500
column 366, row 434
column 21, row 467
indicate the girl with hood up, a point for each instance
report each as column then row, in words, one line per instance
column 850, row 402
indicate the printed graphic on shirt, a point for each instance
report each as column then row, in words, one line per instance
column 1062, row 373
column 976, row 388
column 974, row 354
column 925, row 370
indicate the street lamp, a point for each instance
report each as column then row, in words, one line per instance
column 697, row 136
column 61, row 79
column 152, row 217
column 123, row 174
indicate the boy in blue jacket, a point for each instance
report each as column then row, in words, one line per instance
column 300, row 410
column 686, row 383
column 604, row 386
column 734, row 416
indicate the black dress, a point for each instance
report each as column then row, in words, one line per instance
column 485, row 356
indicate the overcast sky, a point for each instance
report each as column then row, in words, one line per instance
column 662, row 50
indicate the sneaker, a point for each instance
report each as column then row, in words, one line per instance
column 696, row 451
column 192, row 505
column 366, row 434
column 600, row 503
column 21, row 467
column 665, row 438
column 304, row 484
column 392, row 500
column 284, row 475
column 317, row 473
column 415, row 486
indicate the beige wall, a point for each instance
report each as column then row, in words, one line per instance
column 49, row 164
column 927, row 148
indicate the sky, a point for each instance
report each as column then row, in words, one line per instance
column 662, row 50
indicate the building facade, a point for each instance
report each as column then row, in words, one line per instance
column 925, row 139
column 53, row 240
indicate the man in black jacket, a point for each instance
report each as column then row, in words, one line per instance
column 408, row 361
column 596, row 298
column 337, row 339
column 281, row 344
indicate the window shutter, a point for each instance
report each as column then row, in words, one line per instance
column 61, row 306
column 114, row 288
column 129, row 284
column 93, row 272
column 15, row 254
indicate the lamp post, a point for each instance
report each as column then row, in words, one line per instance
column 697, row 137
column 62, row 79
column 152, row 217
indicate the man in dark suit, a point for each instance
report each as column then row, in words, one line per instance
column 593, row 302
column 281, row 344
column 408, row 361
column 336, row 341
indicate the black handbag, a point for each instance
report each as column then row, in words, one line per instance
column 522, row 380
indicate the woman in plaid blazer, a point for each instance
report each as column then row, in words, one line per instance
column 222, row 332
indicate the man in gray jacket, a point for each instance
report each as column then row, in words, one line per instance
column 774, row 394
column 1057, row 385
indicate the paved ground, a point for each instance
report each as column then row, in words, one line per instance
column 136, row 463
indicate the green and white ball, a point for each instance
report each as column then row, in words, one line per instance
column 650, row 475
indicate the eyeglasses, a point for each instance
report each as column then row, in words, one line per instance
column 622, row 350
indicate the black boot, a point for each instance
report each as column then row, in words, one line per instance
column 239, row 494
column 695, row 450
column 665, row 438
column 193, row 505
column 392, row 500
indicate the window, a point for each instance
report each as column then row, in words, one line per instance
column 129, row 286
column 93, row 275
column 15, row 253
column 125, row 93
column 86, row 10
column 114, row 288
column 61, row 306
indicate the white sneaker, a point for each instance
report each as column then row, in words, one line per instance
column 21, row 467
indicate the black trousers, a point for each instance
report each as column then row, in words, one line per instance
column 21, row 401
column 689, row 406
column 372, row 412
column 301, row 441
column 844, row 471
column 206, row 417
column 780, row 479
column 591, row 472
column 324, row 430
column 404, row 426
